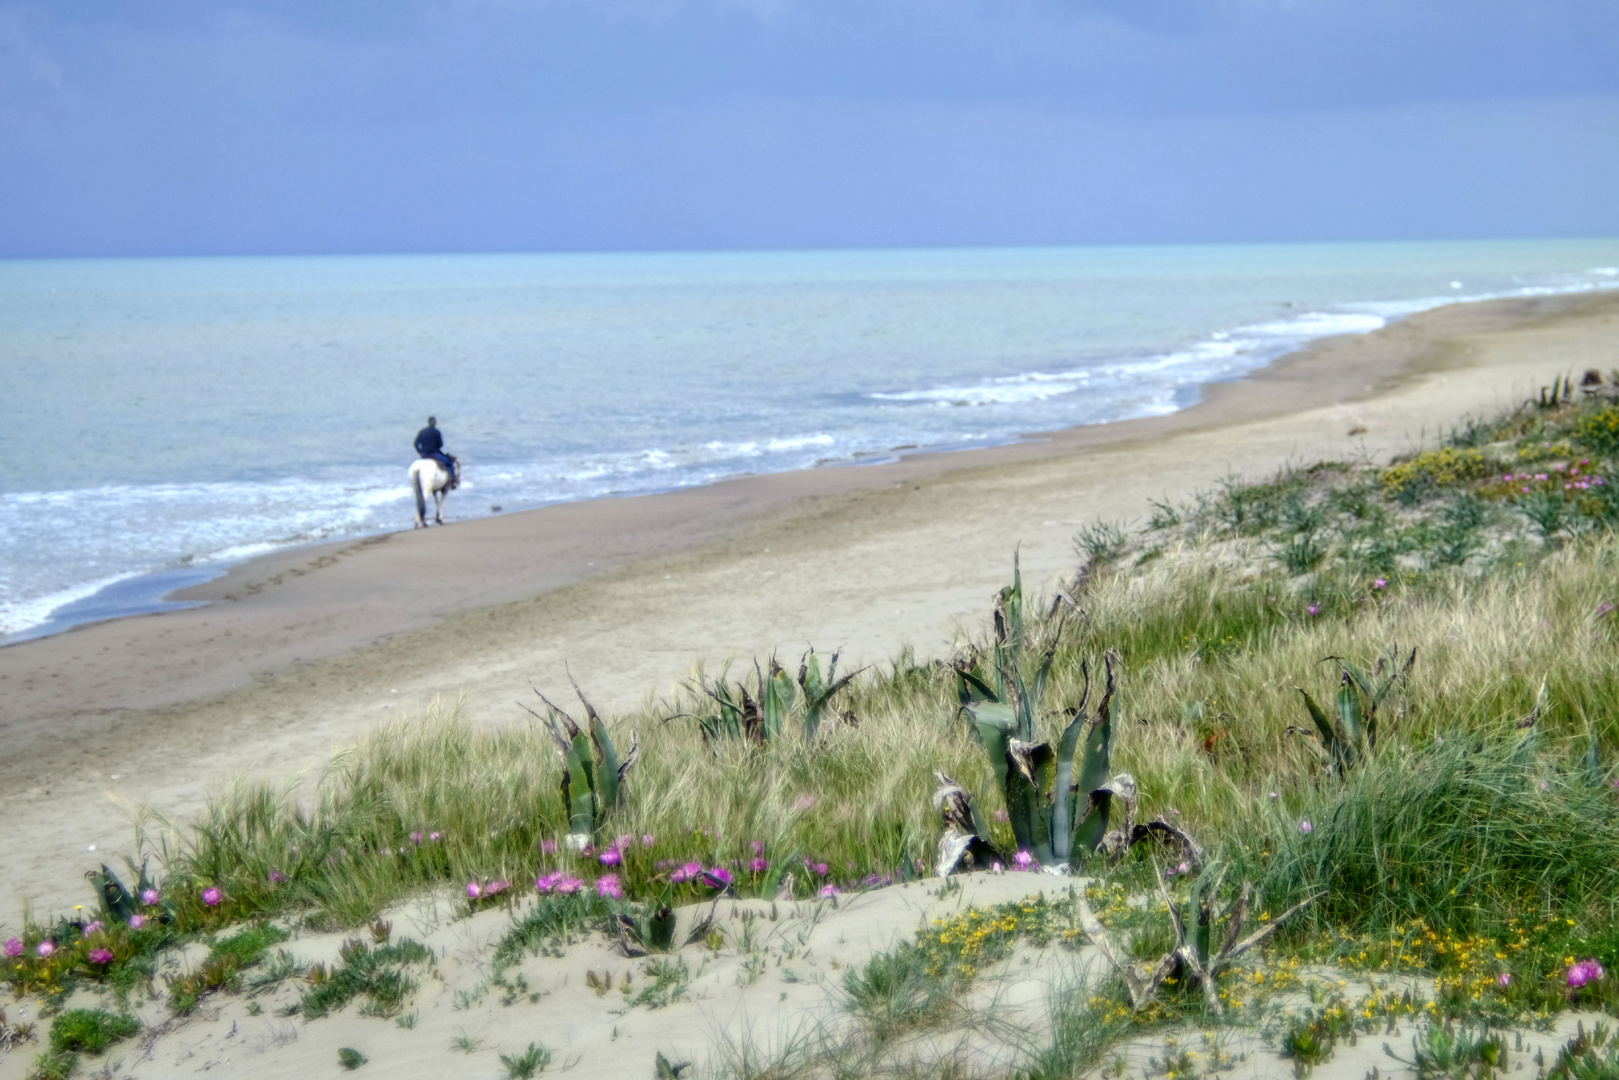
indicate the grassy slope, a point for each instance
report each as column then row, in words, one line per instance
column 1220, row 609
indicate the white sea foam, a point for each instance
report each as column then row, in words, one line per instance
column 638, row 403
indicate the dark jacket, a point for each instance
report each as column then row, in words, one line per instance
column 429, row 442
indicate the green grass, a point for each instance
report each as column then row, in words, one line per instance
column 90, row 1030
column 377, row 975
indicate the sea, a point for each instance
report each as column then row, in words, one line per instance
column 169, row 417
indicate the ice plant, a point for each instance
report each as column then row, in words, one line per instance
column 14, row 947
column 546, row 882
column 828, row 890
column 92, row 928
column 496, row 887
column 1024, row 860
column 608, row 888
column 277, row 877
column 137, row 921
column 101, row 956
column 474, row 890
column 1582, row 972
column 717, row 878
column 569, row 885
column 610, row 857
column 149, row 896
column 46, row 947
column 212, row 896
column 1380, row 583
column 1314, row 609
column 758, row 866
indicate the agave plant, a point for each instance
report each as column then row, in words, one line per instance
column 1043, row 794
column 592, row 783
column 1343, row 740
column 1194, row 960
column 762, row 715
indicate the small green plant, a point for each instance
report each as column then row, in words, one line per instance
column 1445, row 1052
column 1592, row 1055
column 376, row 974
column 668, row 1070
column 350, row 1058
column 1101, row 541
column 1301, row 554
column 90, row 1030
column 669, row 981
column 466, row 1043
column 1349, row 736
column 760, row 716
column 273, row 972
column 1308, row 1043
column 591, row 783
column 523, row 1066
column 54, row 1065
column 1547, row 508
column 1198, row 957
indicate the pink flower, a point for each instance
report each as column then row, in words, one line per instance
column 137, row 921
column 1000, row 815
column 717, row 878
column 277, row 877
column 101, row 956
column 646, row 841
column 804, row 802
column 688, row 872
column 46, row 947
column 624, row 841
column 1314, row 609
column 548, row 847
column 610, row 857
column 149, row 896
column 212, row 896
column 1305, row 827
column 758, row 866
column 758, row 847
column 828, row 890
column 1585, row 971
column 995, row 868
column 496, row 887
column 1023, row 860
column 415, row 837
column 1503, row 980
column 92, row 928
column 1380, row 583
column 434, row 837
column 608, row 888
column 474, row 890
column 546, row 882
column 569, row 885
column 14, row 947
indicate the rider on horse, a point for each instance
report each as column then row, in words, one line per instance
column 430, row 444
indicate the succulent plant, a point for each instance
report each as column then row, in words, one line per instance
column 1194, row 960
column 592, row 783
column 1343, row 740
column 1056, row 816
column 762, row 715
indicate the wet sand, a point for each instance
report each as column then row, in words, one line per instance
column 298, row 653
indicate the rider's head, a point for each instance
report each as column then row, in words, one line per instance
column 432, row 421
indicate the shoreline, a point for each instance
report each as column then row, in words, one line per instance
column 303, row 651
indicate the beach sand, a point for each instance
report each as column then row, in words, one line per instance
column 302, row 652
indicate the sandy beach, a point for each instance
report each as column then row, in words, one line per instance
column 299, row 653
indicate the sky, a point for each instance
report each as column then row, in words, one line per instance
column 167, row 127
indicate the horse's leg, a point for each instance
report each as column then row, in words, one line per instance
column 438, row 500
column 421, row 503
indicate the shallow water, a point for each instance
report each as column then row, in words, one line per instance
column 176, row 415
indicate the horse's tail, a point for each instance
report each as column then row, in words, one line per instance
column 416, row 486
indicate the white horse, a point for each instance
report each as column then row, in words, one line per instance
column 428, row 477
